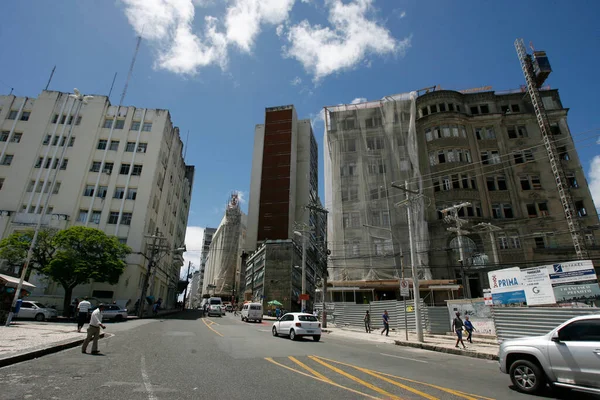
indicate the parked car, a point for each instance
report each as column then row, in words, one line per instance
column 567, row 357
column 37, row 311
column 215, row 309
column 296, row 325
column 229, row 308
column 113, row 312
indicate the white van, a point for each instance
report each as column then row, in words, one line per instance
column 252, row 311
column 216, row 301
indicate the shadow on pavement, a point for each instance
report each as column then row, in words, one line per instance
column 560, row 393
column 183, row 315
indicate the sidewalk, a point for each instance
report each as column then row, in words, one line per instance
column 481, row 348
column 26, row 341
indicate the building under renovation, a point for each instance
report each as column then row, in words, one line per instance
column 486, row 195
column 223, row 264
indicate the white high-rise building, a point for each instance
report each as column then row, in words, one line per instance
column 122, row 171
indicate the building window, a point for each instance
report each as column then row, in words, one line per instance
column 523, row 156
column 96, row 166
column 108, row 123
column 350, row 194
column 590, row 240
column 147, row 127
column 71, row 141
column 4, row 136
column 135, row 126
column 377, row 168
column 563, row 153
column 130, row 147
column 89, row 190
column 540, row 242
column 375, row 143
column 47, row 140
column 555, row 129
column 349, row 145
column 64, row 164
column 516, row 132
column 39, row 162
column 126, row 218
column 7, row 160
column 543, row 209
column 113, row 217
column 351, row 219
column 78, row 122
column 124, row 169
column 349, row 170
column 16, row 138
column 120, row 124
column 102, row 191
column 571, row 180
column 119, row 193
column 501, row 211
column 142, row 147
column 131, row 194
column 108, row 168
column 485, row 133
column 380, row 218
column 137, row 170
column 1, row 183
column 13, row 114
column 102, row 144
column 580, row 208
column 490, row 157
column 496, row 183
column 25, row 115
column 373, row 122
column 114, row 145
column 82, row 217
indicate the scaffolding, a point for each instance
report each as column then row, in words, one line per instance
column 368, row 146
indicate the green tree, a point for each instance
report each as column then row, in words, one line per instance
column 14, row 248
column 84, row 254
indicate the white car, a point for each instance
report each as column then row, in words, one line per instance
column 215, row 309
column 296, row 325
column 37, row 311
column 567, row 357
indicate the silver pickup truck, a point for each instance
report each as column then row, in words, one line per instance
column 566, row 357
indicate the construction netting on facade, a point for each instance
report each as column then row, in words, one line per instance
column 223, row 261
column 369, row 146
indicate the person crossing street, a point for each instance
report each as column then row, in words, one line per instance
column 93, row 331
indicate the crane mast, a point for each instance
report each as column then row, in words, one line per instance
column 534, row 81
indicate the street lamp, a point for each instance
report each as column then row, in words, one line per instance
column 303, row 236
column 81, row 99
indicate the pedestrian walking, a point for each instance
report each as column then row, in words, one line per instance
column 83, row 308
column 93, row 331
column 457, row 326
column 386, row 323
column 469, row 328
column 367, row 320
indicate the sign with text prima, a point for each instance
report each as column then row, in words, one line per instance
column 506, row 286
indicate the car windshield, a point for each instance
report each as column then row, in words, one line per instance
column 217, row 302
column 307, row 318
column 37, row 304
column 255, row 307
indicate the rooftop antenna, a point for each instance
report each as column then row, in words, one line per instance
column 50, row 79
column 112, row 85
column 137, row 48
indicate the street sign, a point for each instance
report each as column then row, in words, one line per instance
column 305, row 296
column 404, row 289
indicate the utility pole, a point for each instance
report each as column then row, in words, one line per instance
column 415, row 276
column 491, row 229
column 324, row 254
column 187, row 280
column 451, row 215
column 153, row 250
column 303, row 235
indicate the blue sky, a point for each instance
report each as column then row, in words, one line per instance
column 217, row 64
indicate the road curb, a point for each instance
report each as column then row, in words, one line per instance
column 447, row 350
column 6, row 361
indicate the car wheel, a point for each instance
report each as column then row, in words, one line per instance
column 274, row 330
column 119, row 318
column 260, row 321
column 316, row 338
column 292, row 335
column 527, row 376
column 39, row 317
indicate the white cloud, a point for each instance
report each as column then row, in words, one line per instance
column 402, row 14
column 359, row 100
column 168, row 24
column 244, row 18
column 594, row 176
column 193, row 242
column 352, row 35
column 296, row 81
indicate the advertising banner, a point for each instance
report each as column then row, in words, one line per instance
column 574, row 281
column 506, row 286
column 538, row 287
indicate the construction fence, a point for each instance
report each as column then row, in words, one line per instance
column 435, row 319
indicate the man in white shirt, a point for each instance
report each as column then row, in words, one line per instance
column 93, row 331
column 83, row 308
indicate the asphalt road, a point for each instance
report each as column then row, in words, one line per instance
column 185, row 357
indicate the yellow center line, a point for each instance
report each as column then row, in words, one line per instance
column 388, row 380
column 355, row 379
column 269, row 359
column 467, row 396
column 309, row 369
column 211, row 328
column 212, row 322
